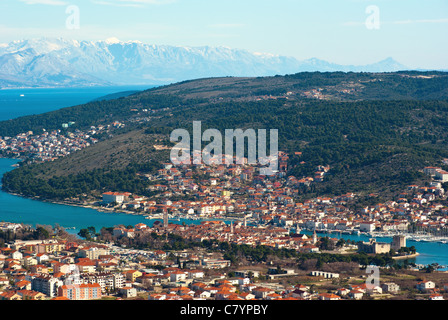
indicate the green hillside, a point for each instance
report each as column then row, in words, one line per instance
column 376, row 131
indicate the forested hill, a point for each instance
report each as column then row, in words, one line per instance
column 376, row 139
column 307, row 86
column 338, row 86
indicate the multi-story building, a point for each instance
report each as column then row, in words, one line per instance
column 49, row 247
column 93, row 253
column 132, row 275
column 367, row 226
column 425, row 285
column 390, row 287
column 441, row 175
column 106, row 280
column 46, row 284
column 117, row 197
column 83, row 291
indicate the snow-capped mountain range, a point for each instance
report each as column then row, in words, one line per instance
column 60, row 62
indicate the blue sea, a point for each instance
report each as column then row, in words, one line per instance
column 430, row 252
column 16, row 103
column 33, row 212
column 21, row 102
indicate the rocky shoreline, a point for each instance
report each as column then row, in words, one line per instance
column 409, row 256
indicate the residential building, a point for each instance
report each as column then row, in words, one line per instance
column 425, row 285
column 46, row 284
column 80, row 292
column 128, row 292
column 390, row 287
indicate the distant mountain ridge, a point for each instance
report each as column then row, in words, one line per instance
column 59, row 62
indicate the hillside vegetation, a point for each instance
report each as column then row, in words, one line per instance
column 376, row 131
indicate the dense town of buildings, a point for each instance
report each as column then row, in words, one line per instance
column 237, row 205
column 50, row 145
column 79, row 270
column 238, row 192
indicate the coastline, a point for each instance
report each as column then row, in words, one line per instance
column 127, row 212
column 86, row 206
column 429, row 250
column 102, row 209
column 67, row 203
column 409, row 256
column 148, row 216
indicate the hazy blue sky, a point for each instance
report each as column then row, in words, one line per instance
column 414, row 32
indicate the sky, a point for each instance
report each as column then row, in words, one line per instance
column 348, row 32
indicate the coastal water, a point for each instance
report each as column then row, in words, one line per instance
column 21, row 102
column 15, row 103
column 32, row 212
column 430, row 252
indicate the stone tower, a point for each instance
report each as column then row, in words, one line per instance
column 165, row 219
column 314, row 237
column 398, row 242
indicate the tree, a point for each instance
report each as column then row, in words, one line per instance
column 341, row 242
column 429, row 268
column 87, row 233
column 326, row 244
column 42, row 233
